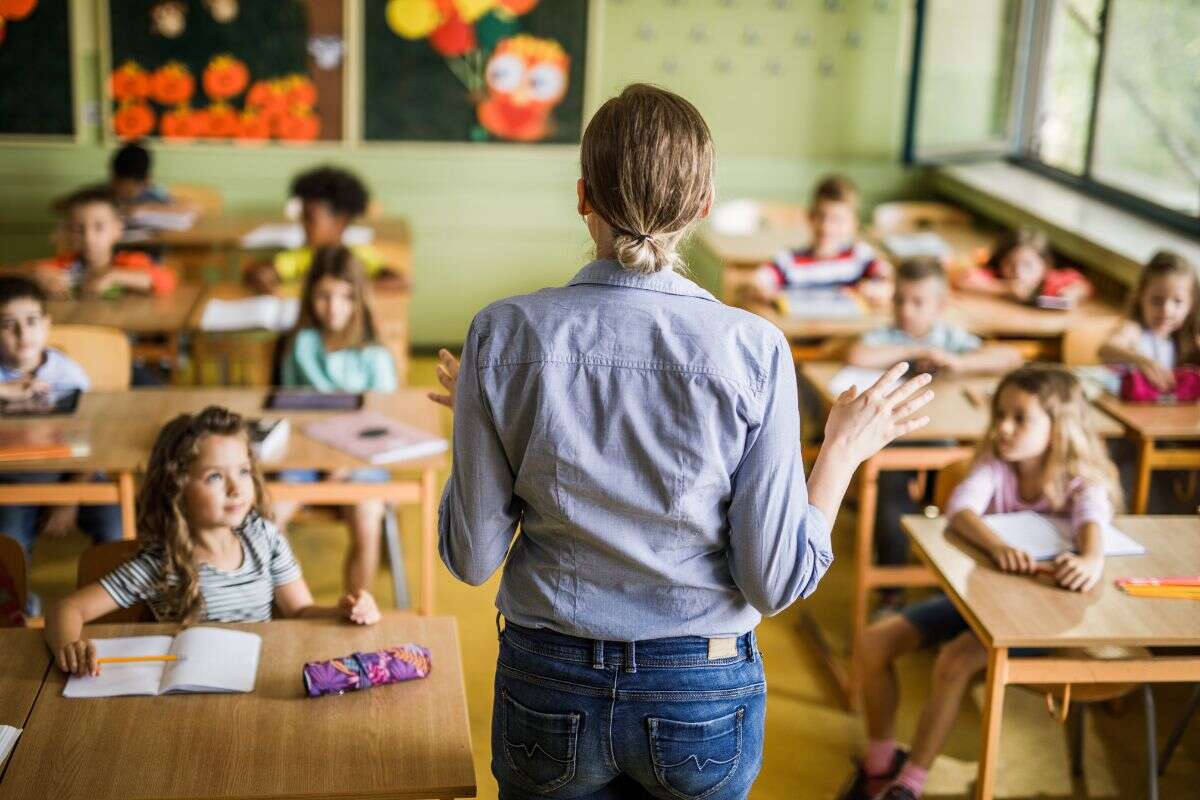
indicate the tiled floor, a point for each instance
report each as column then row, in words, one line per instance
column 810, row 740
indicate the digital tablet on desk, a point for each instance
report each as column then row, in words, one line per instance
column 305, row 400
column 53, row 404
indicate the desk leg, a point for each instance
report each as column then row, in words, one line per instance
column 993, row 712
column 864, row 566
column 428, row 537
column 128, row 501
column 1141, row 485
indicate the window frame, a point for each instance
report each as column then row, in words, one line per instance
column 1032, row 42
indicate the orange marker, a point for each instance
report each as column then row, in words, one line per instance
column 135, row 659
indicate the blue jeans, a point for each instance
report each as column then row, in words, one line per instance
column 576, row 718
column 101, row 523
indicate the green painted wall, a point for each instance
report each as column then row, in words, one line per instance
column 791, row 88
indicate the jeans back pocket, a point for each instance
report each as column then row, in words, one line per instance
column 539, row 748
column 694, row 759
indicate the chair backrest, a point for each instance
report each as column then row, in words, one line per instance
column 913, row 215
column 101, row 559
column 1082, row 340
column 205, row 199
column 949, row 477
column 12, row 562
column 102, row 352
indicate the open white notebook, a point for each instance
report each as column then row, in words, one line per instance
column 8, row 740
column 289, row 236
column 861, row 377
column 1045, row 537
column 211, row 660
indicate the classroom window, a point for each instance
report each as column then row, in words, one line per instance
column 1102, row 94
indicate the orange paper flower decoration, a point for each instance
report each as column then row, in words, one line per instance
column 129, row 82
column 133, row 120
column 223, row 122
column 254, row 127
column 172, row 84
column 298, row 125
column 183, row 123
column 267, row 98
column 16, row 10
column 225, row 77
column 299, row 91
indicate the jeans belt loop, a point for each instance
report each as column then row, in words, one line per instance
column 499, row 629
column 751, row 647
column 631, row 657
column 597, row 654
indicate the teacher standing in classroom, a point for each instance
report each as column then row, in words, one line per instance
column 646, row 440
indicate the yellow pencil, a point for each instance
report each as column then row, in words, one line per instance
column 134, row 659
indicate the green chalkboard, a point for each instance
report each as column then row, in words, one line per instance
column 508, row 71
column 35, row 72
column 195, row 74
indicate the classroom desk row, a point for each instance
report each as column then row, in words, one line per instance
column 408, row 740
column 958, row 418
column 1008, row 611
column 120, row 428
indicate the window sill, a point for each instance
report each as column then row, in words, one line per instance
column 1097, row 235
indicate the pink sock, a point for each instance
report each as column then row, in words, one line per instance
column 880, row 755
column 912, row 777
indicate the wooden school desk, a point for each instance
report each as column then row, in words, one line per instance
column 24, row 660
column 244, row 357
column 956, row 423
column 121, row 428
column 1149, row 424
column 1007, row 611
column 145, row 315
column 407, row 740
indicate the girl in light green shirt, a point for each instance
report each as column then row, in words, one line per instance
column 335, row 349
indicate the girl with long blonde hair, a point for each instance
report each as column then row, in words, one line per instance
column 1039, row 454
column 209, row 550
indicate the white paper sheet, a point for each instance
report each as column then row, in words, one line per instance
column 289, row 236
column 911, row 245
column 265, row 312
column 163, row 220
column 123, row 679
column 862, row 377
column 1045, row 537
column 8, row 740
column 822, row 304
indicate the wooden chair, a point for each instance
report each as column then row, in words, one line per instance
column 12, row 561
column 103, row 353
column 206, row 200
column 1059, row 697
column 913, row 215
column 101, row 559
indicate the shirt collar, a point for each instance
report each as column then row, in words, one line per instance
column 603, row 271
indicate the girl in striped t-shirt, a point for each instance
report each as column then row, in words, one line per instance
column 209, row 552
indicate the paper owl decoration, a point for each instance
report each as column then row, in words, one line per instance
column 526, row 78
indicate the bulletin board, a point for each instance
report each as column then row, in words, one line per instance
column 35, row 68
column 225, row 70
column 474, row 70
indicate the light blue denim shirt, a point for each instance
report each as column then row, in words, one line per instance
column 646, row 439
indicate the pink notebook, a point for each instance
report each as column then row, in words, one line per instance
column 374, row 438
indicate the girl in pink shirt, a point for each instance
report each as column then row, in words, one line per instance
column 1039, row 454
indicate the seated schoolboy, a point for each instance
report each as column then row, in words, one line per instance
column 922, row 338
column 1022, row 268
column 836, row 256
column 130, row 176
column 331, row 200
column 28, row 369
column 92, row 266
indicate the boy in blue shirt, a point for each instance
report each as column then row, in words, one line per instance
column 920, row 336
column 29, row 370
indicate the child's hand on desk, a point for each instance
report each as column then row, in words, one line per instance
column 1078, row 573
column 261, row 278
column 56, row 282
column 1162, row 378
column 23, row 389
column 447, row 375
column 942, row 360
column 361, row 608
column 77, row 658
column 1014, row 559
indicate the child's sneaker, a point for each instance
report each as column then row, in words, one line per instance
column 895, row 792
column 856, row 786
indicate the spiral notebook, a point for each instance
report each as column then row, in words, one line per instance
column 374, row 438
column 1045, row 537
column 211, row 660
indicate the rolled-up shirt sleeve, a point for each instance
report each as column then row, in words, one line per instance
column 779, row 545
column 479, row 513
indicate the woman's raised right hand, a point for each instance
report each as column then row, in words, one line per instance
column 862, row 424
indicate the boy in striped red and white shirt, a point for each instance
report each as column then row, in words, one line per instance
column 835, row 257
